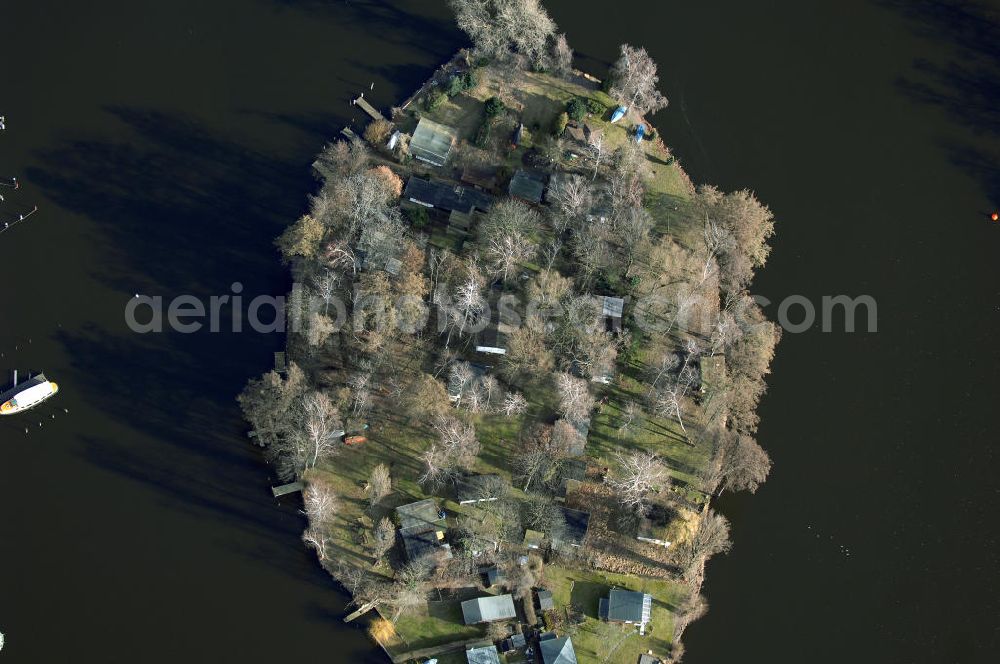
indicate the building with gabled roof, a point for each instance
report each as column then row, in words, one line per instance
column 488, row 609
column 626, row 606
column 482, row 654
column 445, row 195
column 432, row 142
column 422, row 527
column 557, row 650
column 527, row 186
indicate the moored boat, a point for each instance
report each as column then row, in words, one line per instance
column 27, row 395
column 618, row 114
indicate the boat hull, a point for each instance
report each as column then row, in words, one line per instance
column 27, row 395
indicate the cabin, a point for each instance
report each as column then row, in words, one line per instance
column 482, row 654
column 556, row 650
column 445, row 196
column 488, row 609
column 422, row 528
column 528, row 186
column 545, row 601
column 577, row 523
column 432, row 142
column 612, row 309
column 627, row 607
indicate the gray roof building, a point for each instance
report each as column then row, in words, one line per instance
column 422, row 528
column 432, row 142
column 451, row 197
column 482, row 655
column 488, row 609
column 626, row 606
column 557, row 651
column 545, row 602
column 527, row 186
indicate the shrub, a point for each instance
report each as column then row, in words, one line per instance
column 559, row 124
column 494, row 107
column 596, row 108
column 576, row 108
column 377, row 132
column 455, row 86
column 434, row 99
column 482, row 139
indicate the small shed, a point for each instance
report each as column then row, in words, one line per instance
column 577, row 523
column 488, row 609
column 492, row 575
column 482, row 655
column 514, row 642
column 545, row 601
column 527, row 186
column 432, row 142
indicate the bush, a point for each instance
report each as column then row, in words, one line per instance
column 651, row 135
column 434, row 99
column 596, row 108
column 559, row 124
column 455, row 86
column 418, row 217
column 494, row 107
column 378, row 132
column 576, row 108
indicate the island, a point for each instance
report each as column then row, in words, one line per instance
column 521, row 360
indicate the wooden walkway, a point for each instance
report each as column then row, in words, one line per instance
column 286, row 489
column 367, row 108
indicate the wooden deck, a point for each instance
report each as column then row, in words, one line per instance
column 367, row 108
column 286, row 489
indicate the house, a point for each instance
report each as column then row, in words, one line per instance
column 475, row 489
column 482, row 655
column 422, row 527
column 556, row 650
column 446, row 196
column 611, row 310
column 626, row 606
column 432, row 142
column 577, row 523
column 527, row 186
column 545, row 601
column 488, row 609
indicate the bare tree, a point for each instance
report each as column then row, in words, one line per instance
column 500, row 28
column 634, row 79
column 629, row 415
column 455, row 450
column 561, row 62
column 506, row 251
column 573, row 197
column 514, row 403
column 638, row 474
column 323, row 428
column 383, row 538
column 745, row 465
column 709, row 538
column 575, row 399
column 321, row 505
column 595, row 148
column 379, row 484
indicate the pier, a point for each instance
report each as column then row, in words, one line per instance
column 367, row 108
column 286, row 489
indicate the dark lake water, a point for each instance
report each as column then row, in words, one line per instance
column 167, row 144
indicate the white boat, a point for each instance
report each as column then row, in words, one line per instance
column 27, row 395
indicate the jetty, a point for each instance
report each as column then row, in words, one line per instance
column 286, row 489
column 367, row 108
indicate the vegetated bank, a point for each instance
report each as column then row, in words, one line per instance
column 522, row 359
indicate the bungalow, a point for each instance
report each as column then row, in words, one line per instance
column 482, row 655
column 577, row 523
column 432, row 142
column 556, row 650
column 488, row 609
column 626, row 606
column 422, row 527
column 448, row 197
column 527, row 186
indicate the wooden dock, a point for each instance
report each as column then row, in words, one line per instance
column 286, row 489
column 367, row 108
column 360, row 612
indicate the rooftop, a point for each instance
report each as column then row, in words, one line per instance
column 557, row 651
column 577, row 523
column 545, row 601
column 488, row 609
column 482, row 655
column 432, row 142
column 527, row 186
column 435, row 193
column 626, row 606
